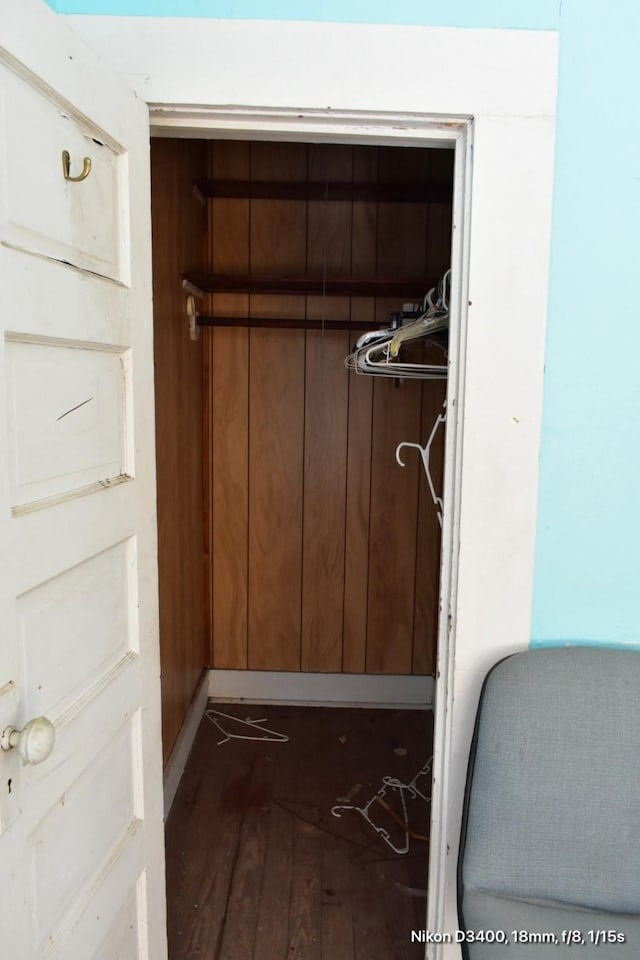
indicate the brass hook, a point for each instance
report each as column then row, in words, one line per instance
column 66, row 167
column 192, row 315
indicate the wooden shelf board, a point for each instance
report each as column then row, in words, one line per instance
column 286, row 323
column 318, row 191
column 414, row 287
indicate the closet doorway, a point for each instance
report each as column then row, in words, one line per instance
column 291, row 543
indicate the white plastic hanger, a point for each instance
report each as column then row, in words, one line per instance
column 425, row 453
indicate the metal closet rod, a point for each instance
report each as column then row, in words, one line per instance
column 285, row 323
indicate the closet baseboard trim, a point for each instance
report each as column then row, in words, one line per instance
column 184, row 742
column 322, row 689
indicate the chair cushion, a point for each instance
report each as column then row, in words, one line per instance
column 485, row 911
column 553, row 805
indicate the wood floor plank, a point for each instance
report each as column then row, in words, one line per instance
column 241, row 918
column 257, row 866
column 305, row 917
column 337, row 909
column 402, row 912
column 200, row 858
column 369, row 929
column 272, row 929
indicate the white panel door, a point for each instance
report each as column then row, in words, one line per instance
column 81, row 846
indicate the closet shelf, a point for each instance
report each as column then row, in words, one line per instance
column 285, row 323
column 200, row 281
column 321, row 191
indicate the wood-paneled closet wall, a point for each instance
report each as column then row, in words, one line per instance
column 323, row 553
column 179, row 233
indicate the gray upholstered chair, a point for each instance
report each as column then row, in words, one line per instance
column 551, row 829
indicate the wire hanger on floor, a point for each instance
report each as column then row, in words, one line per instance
column 247, row 723
column 392, row 783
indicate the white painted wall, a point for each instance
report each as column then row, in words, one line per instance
column 329, row 65
column 506, row 81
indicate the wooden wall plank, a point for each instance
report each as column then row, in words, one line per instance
column 356, row 578
column 356, row 582
column 365, row 231
column 401, row 249
column 402, row 227
column 230, row 497
column 278, row 227
column 276, row 408
column 401, row 234
column 229, row 252
column 440, row 215
column 276, row 432
column 325, row 456
column 326, row 414
column 206, row 338
column 229, row 224
column 329, row 234
column 178, row 224
column 393, row 529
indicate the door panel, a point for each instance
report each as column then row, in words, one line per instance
column 104, row 794
column 122, row 938
column 76, row 222
column 81, row 848
column 95, row 599
column 80, row 440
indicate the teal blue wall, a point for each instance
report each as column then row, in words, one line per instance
column 587, row 581
column 531, row 14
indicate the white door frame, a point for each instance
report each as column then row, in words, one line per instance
column 506, row 80
column 409, row 131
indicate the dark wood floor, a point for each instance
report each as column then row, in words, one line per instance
column 257, row 866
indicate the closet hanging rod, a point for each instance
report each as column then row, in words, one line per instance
column 408, row 289
column 320, row 190
column 283, row 323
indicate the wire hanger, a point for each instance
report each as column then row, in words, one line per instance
column 218, row 718
column 379, row 364
column 376, row 352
